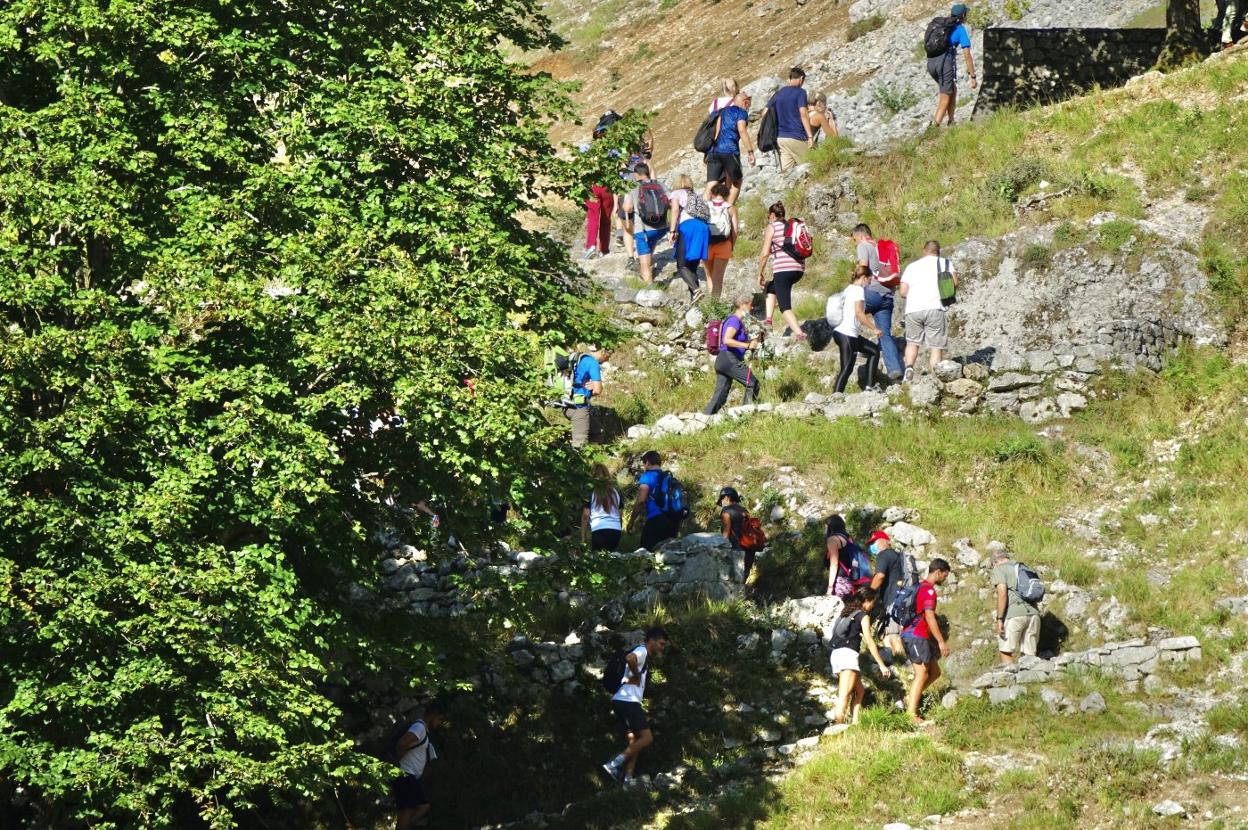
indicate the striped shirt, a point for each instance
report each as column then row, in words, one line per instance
column 781, row 261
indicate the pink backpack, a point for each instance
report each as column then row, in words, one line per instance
column 797, row 241
column 712, row 336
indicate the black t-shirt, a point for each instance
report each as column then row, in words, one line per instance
column 889, row 563
column 852, row 636
column 736, row 522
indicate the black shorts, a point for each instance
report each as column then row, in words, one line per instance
column 658, row 529
column 919, row 652
column 604, row 540
column 408, row 792
column 720, row 166
column 631, row 717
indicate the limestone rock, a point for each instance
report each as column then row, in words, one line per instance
column 964, row 389
column 1093, row 704
column 650, row 298
column 925, row 392
column 908, row 535
column 977, row 372
column 948, row 370
column 1038, row 412
column 1012, row 381
column 1170, row 808
column 694, row 318
column 1069, row 402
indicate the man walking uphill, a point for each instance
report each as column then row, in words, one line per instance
column 626, row 703
column 944, row 37
column 924, row 642
column 1017, row 621
column 586, row 382
column 792, row 120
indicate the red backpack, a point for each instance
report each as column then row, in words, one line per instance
column 752, row 537
column 890, row 263
column 712, row 336
column 797, row 241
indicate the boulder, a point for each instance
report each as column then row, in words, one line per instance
column 1093, row 704
column 964, row 389
column 948, row 370
column 694, row 318
column 1070, row 402
column 966, row 553
column 977, row 372
column 650, row 298
column 925, row 392
column 911, row 536
column 1038, row 412
column 1012, row 381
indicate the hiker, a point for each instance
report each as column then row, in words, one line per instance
column 841, row 553
column 600, row 518
column 785, row 271
column 943, row 65
column 719, row 252
column 793, row 131
column 728, row 89
column 622, row 233
column 923, row 640
column 893, row 571
column 652, row 494
column 822, row 120
column 1017, row 620
column 723, row 162
column 586, row 382
column 927, row 323
column 414, row 752
column 690, row 234
column 646, row 208
column 599, row 208
column 879, row 299
column 732, row 518
column 626, row 703
column 848, row 334
column 1232, row 12
column 730, row 365
column 853, row 627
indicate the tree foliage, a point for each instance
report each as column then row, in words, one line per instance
column 261, row 276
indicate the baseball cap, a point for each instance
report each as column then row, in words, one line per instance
column 728, row 493
column 958, row 10
column 877, row 536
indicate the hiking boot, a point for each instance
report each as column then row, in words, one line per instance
column 591, row 253
column 633, row 264
column 613, row 772
column 909, row 375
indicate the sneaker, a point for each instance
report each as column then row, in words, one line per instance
column 697, row 295
column 591, row 253
column 612, row 772
column 909, row 375
column 895, row 378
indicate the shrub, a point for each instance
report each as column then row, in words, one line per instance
column 1024, row 448
column 1116, row 233
column 895, row 99
column 1036, row 256
column 864, row 26
column 1012, row 180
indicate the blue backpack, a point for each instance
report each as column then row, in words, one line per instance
column 903, row 610
column 860, row 572
column 670, row 498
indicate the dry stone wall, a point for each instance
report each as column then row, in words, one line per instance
column 1026, row 67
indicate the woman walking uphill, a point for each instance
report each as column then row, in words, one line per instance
column 848, row 335
column 690, row 233
column 850, row 630
column 734, row 342
column 600, row 518
column 785, row 271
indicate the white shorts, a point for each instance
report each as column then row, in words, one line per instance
column 844, row 659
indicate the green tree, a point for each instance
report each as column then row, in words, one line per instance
column 236, row 238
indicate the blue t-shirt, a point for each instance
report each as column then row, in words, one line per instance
column 729, row 141
column 738, row 333
column 652, row 478
column 587, row 369
column 959, row 40
column 787, row 103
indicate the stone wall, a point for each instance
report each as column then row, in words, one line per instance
column 1025, row 67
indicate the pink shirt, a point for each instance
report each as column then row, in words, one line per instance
column 780, row 261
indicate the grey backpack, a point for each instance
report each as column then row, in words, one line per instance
column 1030, row 588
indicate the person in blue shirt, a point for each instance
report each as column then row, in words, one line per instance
column 793, row 132
column 658, row 526
column 723, row 162
column 586, row 382
column 944, row 68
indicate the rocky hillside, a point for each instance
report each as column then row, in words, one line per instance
column 1090, row 420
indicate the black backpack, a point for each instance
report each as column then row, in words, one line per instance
column 396, row 733
column 608, row 118
column 652, row 204
column 704, row 138
column 842, row 629
column 936, row 38
column 769, row 132
column 613, row 674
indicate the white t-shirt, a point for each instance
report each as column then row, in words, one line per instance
column 633, row 692
column 414, row 760
column 922, row 276
column 602, row 517
column 853, row 295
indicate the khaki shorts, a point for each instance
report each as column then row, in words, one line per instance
column 792, row 152
column 928, row 328
column 1020, row 632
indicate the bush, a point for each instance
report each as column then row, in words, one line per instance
column 864, row 26
column 895, row 99
column 1011, row 181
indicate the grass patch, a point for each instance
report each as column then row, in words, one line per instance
column 1116, row 233
column 895, row 99
column 864, row 26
